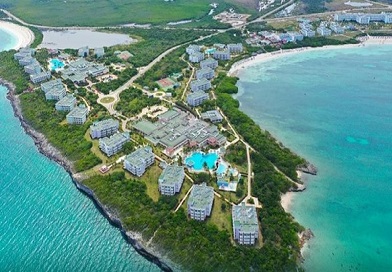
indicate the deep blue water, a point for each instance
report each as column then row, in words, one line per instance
column 335, row 109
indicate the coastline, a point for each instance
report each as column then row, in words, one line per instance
column 237, row 67
column 48, row 150
column 24, row 36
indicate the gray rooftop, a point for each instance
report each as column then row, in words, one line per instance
column 50, row 84
column 170, row 114
column 171, row 175
column 113, row 140
column 212, row 114
column 201, row 196
column 146, row 127
column 104, row 124
column 140, row 155
column 67, row 100
column 197, row 94
column 78, row 112
column 245, row 218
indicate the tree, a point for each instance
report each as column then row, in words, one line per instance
column 223, row 206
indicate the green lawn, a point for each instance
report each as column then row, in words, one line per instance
column 109, row 12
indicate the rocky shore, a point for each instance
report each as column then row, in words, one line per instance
column 52, row 153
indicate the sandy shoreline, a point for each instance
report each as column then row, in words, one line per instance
column 24, row 36
column 245, row 63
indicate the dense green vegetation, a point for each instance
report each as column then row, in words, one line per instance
column 124, row 76
column 151, row 43
column 104, row 13
column 11, row 71
column 132, row 101
column 261, row 141
column 69, row 139
column 38, row 37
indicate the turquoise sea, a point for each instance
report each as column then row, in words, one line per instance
column 334, row 108
column 7, row 40
column 46, row 224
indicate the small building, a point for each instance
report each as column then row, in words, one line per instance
column 33, row 68
column 200, row 85
column 213, row 115
column 56, row 93
column 24, row 52
column 193, row 48
column 200, row 202
column 296, row 36
column 323, row 31
column 307, row 32
column 171, row 179
column 206, row 73
column 83, row 52
column 104, row 128
column 40, row 77
column 47, row 86
column 99, row 52
column 138, row 161
column 245, row 224
column 197, row 98
column 196, row 57
column 235, row 48
column 113, row 144
column 78, row 115
column 222, row 55
column 27, row 61
column 209, row 63
column 336, row 28
column 67, row 103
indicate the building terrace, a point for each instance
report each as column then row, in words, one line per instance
column 176, row 128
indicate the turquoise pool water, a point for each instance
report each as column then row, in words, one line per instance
column 221, row 169
column 197, row 160
column 210, row 51
column 55, row 64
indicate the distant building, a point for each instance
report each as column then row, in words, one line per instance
column 196, row 57
column 323, row 31
column 99, row 52
column 336, row 28
column 193, row 49
column 78, row 115
column 245, row 224
column 296, row 36
column 197, row 98
column 222, row 55
column 209, row 63
column 200, row 85
column 307, row 32
column 47, row 86
column 364, row 18
column 27, row 61
column 171, row 179
column 23, row 53
column 207, row 73
column 40, row 77
column 235, row 48
column 200, row 202
column 83, row 52
column 56, row 93
column 80, row 69
column 67, row 103
column 104, row 128
column 113, row 144
column 33, row 68
column 138, row 161
column 213, row 115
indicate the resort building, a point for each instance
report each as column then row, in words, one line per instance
column 99, row 52
column 138, row 161
column 206, row 73
column 296, row 36
column 200, row 85
column 245, row 224
column 235, row 48
column 23, row 53
column 200, row 202
column 40, row 77
column 27, row 61
column 78, row 115
column 222, row 55
column 192, row 49
column 47, row 86
column 113, row 144
column 175, row 129
column 307, row 32
column 80, row 69
column 209, row 63
column 213, row 115
column 323, row 31
column 83, row 52
column 336, row 28
column 196, row 57
column 67, row 103
column 56, row 93
column 364, row 18
column 197, row 98
column 33, row 68
column 104, row 128
column 171, row 179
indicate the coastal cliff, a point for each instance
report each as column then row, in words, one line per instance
column 44, row 147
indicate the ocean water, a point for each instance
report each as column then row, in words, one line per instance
column 46, row 224
column 7, row 40
column 335, row 109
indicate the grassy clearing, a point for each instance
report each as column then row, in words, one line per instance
column 107, row 100
column 219, row 217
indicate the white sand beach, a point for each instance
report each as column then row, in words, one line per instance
column 242, row 64
column 24, row 35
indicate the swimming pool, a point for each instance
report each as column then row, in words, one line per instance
column 221, row 168
column 56, row 64
column 197, row 159
column 210, row 51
